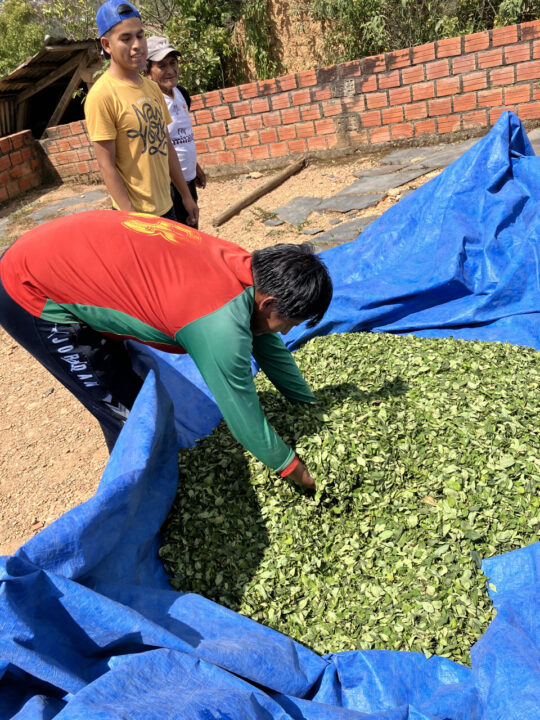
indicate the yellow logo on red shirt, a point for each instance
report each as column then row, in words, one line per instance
column 170, row 230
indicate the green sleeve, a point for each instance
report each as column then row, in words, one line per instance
column 279, row 366
column 221, row 345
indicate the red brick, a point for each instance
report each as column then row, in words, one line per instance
column 495, row 113
column 332, row 107
column 306, row 129
column 232, row 142
column 423, row 91
column 448, row 47
column 354, row 104
column 280, row 101
column 260, row 105
column 13, row 189
column 203, row 116
column 212, row 98
column 200, row 132
column 412, row 74
column 321, row 93
column 248, row 90
column 376, row 100
column 217, row 129
column 297, row 146
column 197, row 102
column 350, row 69
column 3, row 193
column 398, row 59
column 327, row 74
column 300, row 97
column 63, row 145
column 474, row 119
column 448, row 86
column 517, row 94
column 236, row 125
column 462, row 103
column 504, row 35
column 292, row 115
column 271, row 119
column 222, row 112
column 253, row 122
column 530, row 111
column 477, row 41
column 279, row 149
column 268, row 136
column 379, row 135
column 261, row 152
column 366, row 84
column 333, row 140
column 5, row 162
column 424, row 127
column 405, row 130
column 249, row 139
column 267, row 87
column 84, row 154
column 502, row 76
column 241, row 108
column 530, row 30
column 323, row 127
column 415, row 111
column 306, row 78
column 77, row 127
column 463, row 64
column 399, row 96
column 94, row 166
column 369, row 119
column 243, row 155
column 28, row 182
column 287, row 132
column 359, row 138
column 490, row 58
column 67, row 157
column 474, row 81
column 231, row 94
column 4, row 178
column 517, row 53
column 317, row 143
column 439, row 107
column 490, row 98
column 536, row 93
column 5, row 145
column 373, row 64
column 212, row 160
column 528, row 70
column 536, row 49
column 224, row 158
column 18, row 139
column 287, row 82
column 438, row 69
column 389, row 80
column 392, row 115
column 423, row 53
column 76, row 141
column 15, row 157
column 310, row 112
column 449, row 124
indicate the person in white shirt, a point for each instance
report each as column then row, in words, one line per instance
column 162, row 68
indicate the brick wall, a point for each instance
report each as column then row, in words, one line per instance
column 451, row 88
column 21, row 166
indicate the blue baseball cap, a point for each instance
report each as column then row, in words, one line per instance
column 113, row 12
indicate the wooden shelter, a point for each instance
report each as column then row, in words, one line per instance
column 39, row 93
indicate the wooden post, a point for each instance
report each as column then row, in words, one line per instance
column 256, row 194
column 68, row 92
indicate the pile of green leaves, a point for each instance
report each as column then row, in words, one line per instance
column 427, row 457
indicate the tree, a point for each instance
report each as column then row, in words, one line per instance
column 21, row 33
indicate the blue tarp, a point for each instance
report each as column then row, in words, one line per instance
column 88, row 625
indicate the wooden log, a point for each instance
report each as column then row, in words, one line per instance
column 68, row 92
column 67, row 67
column 259, row 192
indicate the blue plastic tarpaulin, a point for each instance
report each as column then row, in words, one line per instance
column 89, row 627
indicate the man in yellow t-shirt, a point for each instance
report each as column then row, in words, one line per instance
column 127, row 122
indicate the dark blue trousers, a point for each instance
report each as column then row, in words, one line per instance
column 95, row 369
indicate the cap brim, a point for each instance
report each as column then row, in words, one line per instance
column 160, row 55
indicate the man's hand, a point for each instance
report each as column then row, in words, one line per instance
column 191, row 208
column 301, row 477
column 200, row 177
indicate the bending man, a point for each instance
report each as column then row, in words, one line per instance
column 74, row 289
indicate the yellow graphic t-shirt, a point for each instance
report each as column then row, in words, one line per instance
column 136, row 117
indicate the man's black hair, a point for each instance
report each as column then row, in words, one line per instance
column 297, row 277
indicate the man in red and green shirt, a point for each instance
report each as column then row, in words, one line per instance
column 74, row 289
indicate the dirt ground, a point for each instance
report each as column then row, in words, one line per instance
column 52, row 453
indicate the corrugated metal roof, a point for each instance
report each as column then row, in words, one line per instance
column 55, row 53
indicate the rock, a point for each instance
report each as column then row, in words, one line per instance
column 274, row 222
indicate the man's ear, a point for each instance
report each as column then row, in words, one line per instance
column 267, row 304
column 105, row 44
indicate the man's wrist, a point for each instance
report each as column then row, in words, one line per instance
column 290, row 467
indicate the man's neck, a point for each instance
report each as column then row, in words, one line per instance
column 130, row 76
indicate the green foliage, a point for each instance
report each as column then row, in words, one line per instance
column 427, row 459
column 357, row 28
column 21, row 34
column 260, row 39
column 73, row 19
